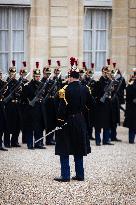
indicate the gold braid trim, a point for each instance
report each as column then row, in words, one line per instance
column 89, row 89
column 62, row 94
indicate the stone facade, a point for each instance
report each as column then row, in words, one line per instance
column 132, row 34
column 56, row 32
column 120, row 33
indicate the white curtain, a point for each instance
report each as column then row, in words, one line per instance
column 12, row 20
column 4, row 39
column 18, row 36
column 95, row 37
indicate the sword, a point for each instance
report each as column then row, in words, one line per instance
column 56, row 128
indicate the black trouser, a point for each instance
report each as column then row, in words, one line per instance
column 49, row 138
column 14, row 138
column 37, row 133
column 113, row 133
column 24, row 137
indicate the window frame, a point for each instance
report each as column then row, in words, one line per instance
column 93, row 51
column 10, row 52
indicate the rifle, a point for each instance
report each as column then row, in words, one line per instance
column 35, row 99
column 6, row 100
column 119, row 85
column 51, row 89
column 108, row 89
column 4, row 87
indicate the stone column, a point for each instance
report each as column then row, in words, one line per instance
column 132, row 35
column 75, row 29
column 39, row 32
column 120, row 34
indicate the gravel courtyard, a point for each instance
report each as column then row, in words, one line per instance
column 26, row 176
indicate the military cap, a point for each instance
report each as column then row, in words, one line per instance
column 24, row 69
column 105, row 69
column 57, row 69
column 37, row 71
column 12, row 69
column 47, row 70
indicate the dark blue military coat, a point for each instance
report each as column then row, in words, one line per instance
column 130, row 114
column 73, row 138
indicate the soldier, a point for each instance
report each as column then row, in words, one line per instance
column 73, row 138
column 90, row 82
column 102, row 118
column 23, row 101
column 3, row 87
column 11, row 101
column 118, row 94
column 130, row 114
column 34, row 115
column 50, row 109
column 46, row 73
column 57, row 76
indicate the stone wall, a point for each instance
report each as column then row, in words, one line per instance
column 120, row 33
column 39, row 32
column 132, row 35
column 56, row 31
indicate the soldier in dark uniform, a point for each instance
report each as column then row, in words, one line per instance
column 23, row 101
column 50, row 109
column 118, row 94
column 3, row 87
column 130, row 114
column 90, row 82
column 73, row 139
column 12, row 109
column 103, row 115
column 34, row 115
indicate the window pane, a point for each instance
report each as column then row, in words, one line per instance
column 88, row 59
column 4, row 62
column 18, row 41
column 87, row 40
column 3, row 41
column 96, row 40
column 18, row 18
column 88, row 19
column 100, row 60
column 100, row 19
column 18, row 57
column 4, row 18
column 101, row 40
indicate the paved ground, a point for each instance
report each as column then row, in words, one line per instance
column 26, row 177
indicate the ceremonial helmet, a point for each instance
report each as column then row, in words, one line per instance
column 24, row 69
column 37, row 71
column 105, row 70
column 47, row 68
column 91, row 70
column 57, row 69
column 83, row 69
column 12, row 69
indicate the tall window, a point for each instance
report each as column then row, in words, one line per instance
column 13, row 36
column 96, row 37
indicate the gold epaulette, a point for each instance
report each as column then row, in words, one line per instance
column 62, row 94
column 89, row 89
